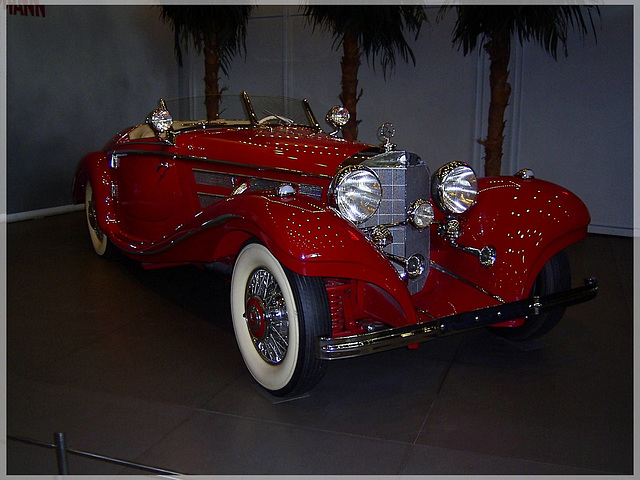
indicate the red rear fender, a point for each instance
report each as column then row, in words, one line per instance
column 93, row 168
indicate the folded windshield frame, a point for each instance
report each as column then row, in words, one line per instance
column 259, row 110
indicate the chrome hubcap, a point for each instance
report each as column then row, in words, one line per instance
column 266, row 316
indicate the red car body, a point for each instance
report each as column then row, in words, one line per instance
column 197, row 195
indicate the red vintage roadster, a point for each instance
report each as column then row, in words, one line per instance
column 334, row 248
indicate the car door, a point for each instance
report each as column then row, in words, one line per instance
column 149, row 201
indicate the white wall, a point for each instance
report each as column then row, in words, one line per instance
column 576, row 122
column 74, row 78
column 570, row 121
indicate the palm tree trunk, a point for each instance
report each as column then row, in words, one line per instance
column 349, row 95
column 211, row 67
column 499, row 51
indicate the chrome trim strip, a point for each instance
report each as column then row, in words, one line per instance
column 166, row 244
column 372, row 342
column 220, row 162
column 426, row 314
column 152, row 142
column 212, row 194
column 446, row 271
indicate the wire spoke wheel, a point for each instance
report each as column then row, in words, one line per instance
column 266, row 314
column 277, row 316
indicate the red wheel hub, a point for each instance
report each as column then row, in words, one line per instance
column 256, row 320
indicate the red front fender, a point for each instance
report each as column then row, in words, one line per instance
column 312, row 240
column 527, row 221
column 305, row 236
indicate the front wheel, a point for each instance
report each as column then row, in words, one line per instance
column 554, row 277
column 277, row 316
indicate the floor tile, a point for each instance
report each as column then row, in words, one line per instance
column 110, row 425
column 384, row 396
column 440, row 461
column 142, row 365
column 216, row 444
column 547, row 405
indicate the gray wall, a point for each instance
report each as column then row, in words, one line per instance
column 74, row 78
column 69, row 89
column 576, row 120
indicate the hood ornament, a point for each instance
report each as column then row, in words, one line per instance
column 385, row 133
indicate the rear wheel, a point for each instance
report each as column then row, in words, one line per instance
column 277, row 316
column 101, row 244
column 555, row 276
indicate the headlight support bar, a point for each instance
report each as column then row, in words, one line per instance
column 451, row 230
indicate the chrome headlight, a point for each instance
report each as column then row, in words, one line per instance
column 356, row 192
column 454, row 187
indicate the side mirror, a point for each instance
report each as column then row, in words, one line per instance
column 337, row 118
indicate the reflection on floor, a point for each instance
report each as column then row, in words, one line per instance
column 142, row 365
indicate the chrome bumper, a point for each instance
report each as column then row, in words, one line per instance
column 366, row 343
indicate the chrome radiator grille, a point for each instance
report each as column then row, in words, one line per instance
column 405, row 178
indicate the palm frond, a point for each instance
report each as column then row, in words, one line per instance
column 549, row 26
column 380, row 29
column 196, row 24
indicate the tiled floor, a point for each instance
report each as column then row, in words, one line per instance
column 142, row 366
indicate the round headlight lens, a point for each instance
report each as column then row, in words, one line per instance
column 421, row 214
column 356, row 193
column 454, row 187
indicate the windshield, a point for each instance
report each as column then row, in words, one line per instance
column 255, row 110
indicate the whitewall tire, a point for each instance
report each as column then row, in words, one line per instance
column 277, row 315
column 99, row 240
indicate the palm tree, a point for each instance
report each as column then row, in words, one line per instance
column 372, row 30
column 217, row 30
column 494, row 27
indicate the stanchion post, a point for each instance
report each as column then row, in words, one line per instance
column 61, row 453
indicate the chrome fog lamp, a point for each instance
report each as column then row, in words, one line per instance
column 160, row 119
column 415, row 265
column 454, row 187
column 356, row 192
column 421, row 213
